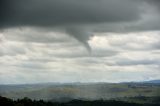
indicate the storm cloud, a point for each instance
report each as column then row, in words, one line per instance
column 74, row 15
column 70, row 13
column 62, row 12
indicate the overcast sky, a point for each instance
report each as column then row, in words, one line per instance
column 79, row 41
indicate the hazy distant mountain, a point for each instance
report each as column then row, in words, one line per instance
column 150, row 82
column 153, row 81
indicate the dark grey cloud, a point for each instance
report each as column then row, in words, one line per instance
column 64, row 12
column 155, row 3
column 137, row 62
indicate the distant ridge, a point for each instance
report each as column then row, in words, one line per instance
column 152, row 81
column 149, row 81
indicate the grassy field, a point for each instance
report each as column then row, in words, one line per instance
column 94, row 91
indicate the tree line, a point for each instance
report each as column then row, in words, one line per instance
column 28, row 102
